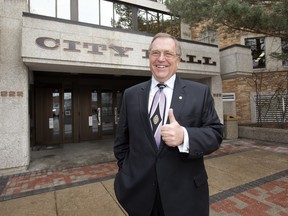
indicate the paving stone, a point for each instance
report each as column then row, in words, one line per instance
column 246, row 177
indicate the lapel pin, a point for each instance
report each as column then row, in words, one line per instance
column 180, row 97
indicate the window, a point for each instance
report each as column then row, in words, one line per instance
column 63, row 9
column 257, row 51
column 106, row 12
column 54, row 8
column 88, row 11
column 45, row 7
column 284, row 45
column 109, row 13
column 154, row 22
column 123, row 16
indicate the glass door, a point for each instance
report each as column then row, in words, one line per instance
column 110, row 104
column 95, row 118
column 63, row 116
column 67, row 116
column 48, row 116
column 89, row 114
column 107, row 113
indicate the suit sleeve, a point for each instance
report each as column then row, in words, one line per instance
column 208, row 135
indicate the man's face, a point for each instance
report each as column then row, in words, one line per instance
column 163, row 59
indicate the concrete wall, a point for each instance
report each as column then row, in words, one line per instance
column 14, row 120
column 58, row 56
column 235, row 61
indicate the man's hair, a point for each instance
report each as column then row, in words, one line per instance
column 165, row 35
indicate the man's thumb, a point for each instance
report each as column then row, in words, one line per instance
column 171, row 116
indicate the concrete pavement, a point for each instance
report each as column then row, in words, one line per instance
column 246, row 177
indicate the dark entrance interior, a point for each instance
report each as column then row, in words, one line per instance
column 72, row 108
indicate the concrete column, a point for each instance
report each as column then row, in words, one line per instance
column 215, row 85
column 216, row 91
column 185, row 31
column 14, row 119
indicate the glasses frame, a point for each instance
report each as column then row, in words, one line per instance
column 166, row 53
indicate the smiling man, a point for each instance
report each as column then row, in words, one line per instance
column 166, row 126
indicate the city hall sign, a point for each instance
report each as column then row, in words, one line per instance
column 101, row 49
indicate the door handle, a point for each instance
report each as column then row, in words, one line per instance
column 99, row 116
column 90, row 121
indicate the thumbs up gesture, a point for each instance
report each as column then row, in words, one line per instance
column 172, row 134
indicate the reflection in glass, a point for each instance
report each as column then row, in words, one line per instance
column 142, row 20
column 88, row 11
column 56, row 113
column 110, row 14
column 94, row 108
column 68, row 115
column 118, row 105
column 153, row 22
column 107, row 113
column 122, row 16
column 171, row 24
column 257, row 46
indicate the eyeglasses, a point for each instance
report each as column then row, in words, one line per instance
column 167, row 54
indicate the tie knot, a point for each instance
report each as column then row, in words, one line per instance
column 161, row 85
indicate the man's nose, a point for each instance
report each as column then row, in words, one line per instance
column 162, row 57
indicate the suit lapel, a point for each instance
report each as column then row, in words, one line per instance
column 178, row 98
column 143, row 102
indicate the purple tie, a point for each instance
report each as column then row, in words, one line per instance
column 157, row 112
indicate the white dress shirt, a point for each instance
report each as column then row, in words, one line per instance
column 168, row 91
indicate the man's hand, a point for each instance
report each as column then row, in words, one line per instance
column 172, row 134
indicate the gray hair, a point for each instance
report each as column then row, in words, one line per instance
column 165, row 35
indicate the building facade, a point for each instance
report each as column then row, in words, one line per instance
column 65, row 64
column 261, row 97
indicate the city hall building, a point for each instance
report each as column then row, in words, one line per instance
column 64, row 66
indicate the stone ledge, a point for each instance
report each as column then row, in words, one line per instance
column 265, row 134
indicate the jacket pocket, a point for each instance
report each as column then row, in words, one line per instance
column 201, row 179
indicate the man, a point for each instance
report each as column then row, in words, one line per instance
column 167, row 178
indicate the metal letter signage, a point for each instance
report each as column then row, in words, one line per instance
column 48, row 43
column 100, row 49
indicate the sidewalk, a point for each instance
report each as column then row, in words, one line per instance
column 246, row 177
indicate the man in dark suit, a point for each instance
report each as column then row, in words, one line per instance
column 166, row 178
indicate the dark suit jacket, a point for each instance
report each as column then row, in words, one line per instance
column 180, row 177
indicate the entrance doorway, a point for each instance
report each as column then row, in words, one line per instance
column 64, row 117
column 98, row 113
column 74, row 109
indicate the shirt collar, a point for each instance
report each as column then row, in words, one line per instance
column 170, row 82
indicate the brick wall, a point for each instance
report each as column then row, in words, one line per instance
column 244, row 86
